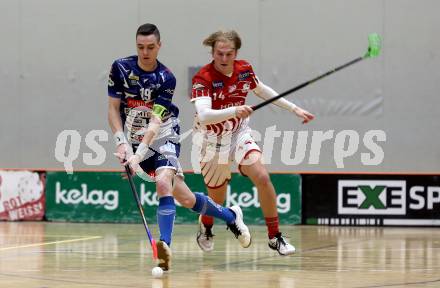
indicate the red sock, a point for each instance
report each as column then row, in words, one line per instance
column 272, row 226
column 208, row 221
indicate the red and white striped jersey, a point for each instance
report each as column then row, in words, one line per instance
column 224, row 91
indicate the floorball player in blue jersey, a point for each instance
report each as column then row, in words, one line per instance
column 140, row 91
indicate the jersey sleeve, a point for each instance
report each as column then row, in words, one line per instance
column 200, row 87
column 253, row 77
column 115, row 85
column 166, row 92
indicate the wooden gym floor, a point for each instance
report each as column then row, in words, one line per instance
column 46, row 255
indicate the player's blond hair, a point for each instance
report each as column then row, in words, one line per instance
column 222, row 36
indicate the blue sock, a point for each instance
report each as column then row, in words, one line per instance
column 166, row 213
column 206, row 206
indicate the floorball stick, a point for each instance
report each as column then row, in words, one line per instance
column 141, row 211
column 374, row 45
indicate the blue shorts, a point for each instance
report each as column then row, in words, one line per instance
column 166, row 157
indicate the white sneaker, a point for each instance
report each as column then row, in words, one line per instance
column 240, row 230
column 205, row 238
column 279, row 244
column 164, row 255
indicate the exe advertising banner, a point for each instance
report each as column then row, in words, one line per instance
column 106, row 197
column 388, row 200
column 21, row 195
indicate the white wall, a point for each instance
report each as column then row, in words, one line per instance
column 55, row 56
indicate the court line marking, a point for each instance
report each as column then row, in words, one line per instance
column 422, row 282
column 50, row 243
column 20, row 276
column 297, row 254
column 45, row 235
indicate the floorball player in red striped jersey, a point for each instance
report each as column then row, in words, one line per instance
column 219, row 92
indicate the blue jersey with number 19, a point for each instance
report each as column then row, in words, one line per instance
column 139, row 90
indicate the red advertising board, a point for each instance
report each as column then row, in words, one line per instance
column 21, row 195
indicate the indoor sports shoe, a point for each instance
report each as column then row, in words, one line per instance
column 240, row 230
column 279, row 244
column 164, row 255
column 205, row 237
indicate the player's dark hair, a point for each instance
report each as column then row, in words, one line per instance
column 220, row 36
column 148, row 29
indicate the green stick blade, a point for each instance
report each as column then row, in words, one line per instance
column 374, row 45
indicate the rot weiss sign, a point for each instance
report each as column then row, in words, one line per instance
column 21, row 195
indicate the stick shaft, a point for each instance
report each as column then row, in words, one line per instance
column 141, row 211
column 300, row 86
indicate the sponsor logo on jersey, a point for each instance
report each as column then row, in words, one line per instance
column 131, row 103
column 246, row 87
column 155, row 86
column 217, row 84
column 232, row 104
column 133, row 77
column 244, row 75
column 139, row 121
column 170, row 91
column 232, row 88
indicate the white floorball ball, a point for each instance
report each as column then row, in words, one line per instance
column 157, row 272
